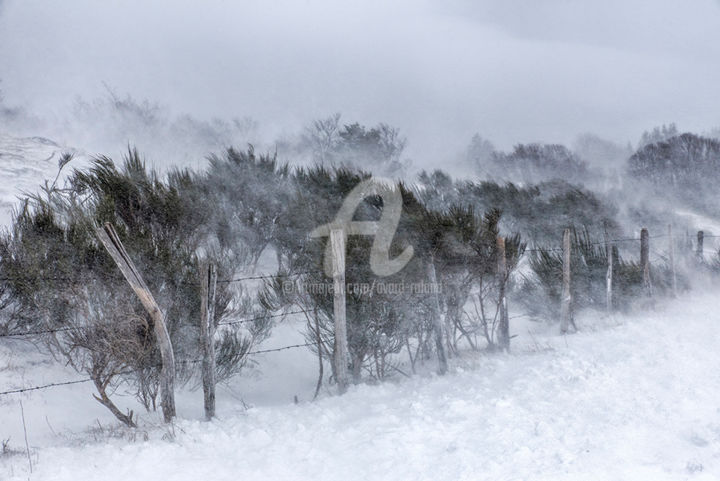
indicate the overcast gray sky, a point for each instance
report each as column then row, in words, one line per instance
column 514, row 70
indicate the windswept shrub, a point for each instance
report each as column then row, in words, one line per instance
column 588, row 270
column 65, row 286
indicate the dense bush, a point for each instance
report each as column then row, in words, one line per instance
column 457, row 246
column 539, row 212
column 527, row 163
column 63, row 283
column 685, row 166
column 541, row 294
column 376, row 149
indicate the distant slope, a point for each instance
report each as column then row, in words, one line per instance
column 25, row 163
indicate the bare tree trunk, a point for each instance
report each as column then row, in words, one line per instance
column 357, row 362
column 410, row 354
column 104, row 399
column 321, row 368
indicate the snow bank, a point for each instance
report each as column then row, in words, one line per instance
column 627, row 398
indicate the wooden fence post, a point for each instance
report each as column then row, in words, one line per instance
column 111, row 241
column 700, row 246
column 609, row 273
column 337, row 242
column 504, row 325
column 208, row 285
column 645, row 260
column 566, row 299
column 437, row 322
column 671, row 256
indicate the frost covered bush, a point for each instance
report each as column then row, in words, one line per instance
column 458, row 246
column 685, row 166
column 65, row 286
column 538, row 212
column 247, row 196
column 376, row 149
column 527, row 163
column 588, row 270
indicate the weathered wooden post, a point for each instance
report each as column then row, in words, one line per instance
column 111, row 241
column 645, row 260
column 437, row 322
column 504, row 324
column 671, row 258
column 566, row 300
column 700, row 246
column 208, row 285
column 609, row 273
column 341, row 355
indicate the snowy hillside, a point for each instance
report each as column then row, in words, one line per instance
column 397, row 240
column 626, row 398
column 25, row 163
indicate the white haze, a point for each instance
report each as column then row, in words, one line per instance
column 514, row 71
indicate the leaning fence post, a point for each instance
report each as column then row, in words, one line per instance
column 504, row 325
column 208, row 285
column 565, row 308
column 609, row 273
column 337, row 243
column 645, row 260
column 111, row 241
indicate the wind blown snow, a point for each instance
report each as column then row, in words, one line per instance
column 626, row 398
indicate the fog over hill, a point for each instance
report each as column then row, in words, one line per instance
column 405, row 239
column 515, row 72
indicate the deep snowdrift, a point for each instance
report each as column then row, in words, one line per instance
column 627, row 398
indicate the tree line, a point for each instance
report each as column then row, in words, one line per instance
column 59, row 281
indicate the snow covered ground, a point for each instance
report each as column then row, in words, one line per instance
column 627, row 398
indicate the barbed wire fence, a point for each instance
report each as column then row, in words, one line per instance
column 186, row 361
column 661, row 256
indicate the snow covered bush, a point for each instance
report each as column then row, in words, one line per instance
column 588, row 268
column 684, row 166
column 248, row 196
column 454, row 253
column 527, row 163
column 466, row 254
column 538, row 212
column 65, row 287
column 376, row 149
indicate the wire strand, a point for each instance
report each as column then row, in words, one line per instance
column 187, row 361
